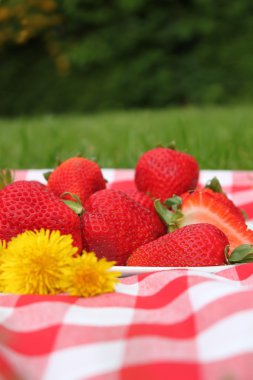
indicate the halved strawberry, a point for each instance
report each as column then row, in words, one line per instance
column 204, row 207
column 214, row 188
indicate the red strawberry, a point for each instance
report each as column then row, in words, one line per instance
column 203, row 206
column 195, row 245
column 124, row 186
column 78, row 176
column 163, row 172
column 29, row 205
column 114, row 225
column 144, row 200
column 141, row 198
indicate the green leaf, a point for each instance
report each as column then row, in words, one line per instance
column 214, row 184
column 176, row 219
column 172, row 145
column 6, row 177
column 163, row 212
column 174, row 202
column 76, row 205
column 171, row 219
column 46, row 175
column 242, row 254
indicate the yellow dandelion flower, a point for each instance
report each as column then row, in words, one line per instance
column 3, row 246
column 89, row 276
column 36, row 261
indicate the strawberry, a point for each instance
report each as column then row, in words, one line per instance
column 29, row 205
column 205, row 206
column 214, row 189
column 124, row 186
column 78, row 176
column 144, row 200
column 163, row 172
column 113, row 225
column 196, row 245
column 141, row 198
column 137, row 195
column 221, row 197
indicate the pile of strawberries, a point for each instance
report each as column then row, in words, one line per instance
column 164, row 220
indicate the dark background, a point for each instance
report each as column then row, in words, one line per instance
column 90, row 55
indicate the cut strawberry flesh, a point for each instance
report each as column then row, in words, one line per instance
column 201, row 207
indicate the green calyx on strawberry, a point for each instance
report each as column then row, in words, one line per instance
column 6, row 177
column 206, row 206
column 214, row 185
column 200, row 244
column 75, row 205
column 173, row 218
column 241, row 254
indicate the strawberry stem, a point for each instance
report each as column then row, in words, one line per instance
column 171, row 219
column 164, row 213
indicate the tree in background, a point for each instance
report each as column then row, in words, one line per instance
column 123, row 54
column 21, row 22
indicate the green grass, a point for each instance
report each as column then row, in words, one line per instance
column 220, row 138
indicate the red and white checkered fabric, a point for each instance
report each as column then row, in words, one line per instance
column 174, row 324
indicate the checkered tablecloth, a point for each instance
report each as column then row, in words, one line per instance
column 175, row 324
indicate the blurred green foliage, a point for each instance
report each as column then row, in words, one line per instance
column 125, row 54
